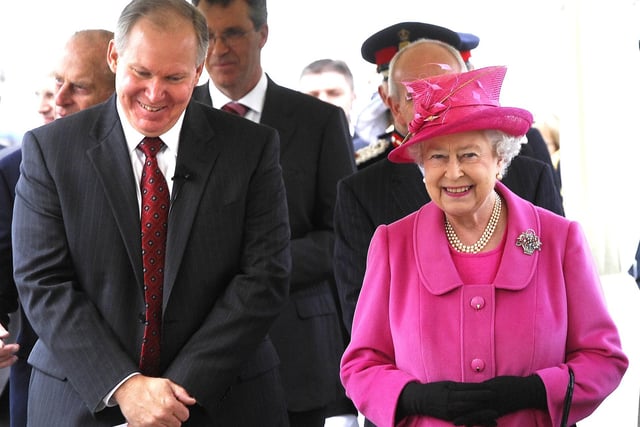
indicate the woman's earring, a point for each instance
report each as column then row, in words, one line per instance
column 499, row 176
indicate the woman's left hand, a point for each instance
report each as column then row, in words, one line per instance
column 509, row 394
column 512, row 393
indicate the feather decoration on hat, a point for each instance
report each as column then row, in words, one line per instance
column 426, row 106
column 433, row 97
column 448, row 104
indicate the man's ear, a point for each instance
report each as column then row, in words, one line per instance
column 383, row 91
column 112, row 56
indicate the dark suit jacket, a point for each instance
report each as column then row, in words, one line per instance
column 386, row 191
column 78, row 264
column 9, row 173
column 21, row 370
column 315, row 153
column 537, row 148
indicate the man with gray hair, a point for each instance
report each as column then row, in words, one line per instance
column 151, row 254
column 315, row 153
column 82, row 76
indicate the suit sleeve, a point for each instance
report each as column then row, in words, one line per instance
column 547, row 194
column 312, row 253
column 353, row 231
column 8, row 292
column 67, row 322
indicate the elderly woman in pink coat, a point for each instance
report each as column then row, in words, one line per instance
column 479, row 309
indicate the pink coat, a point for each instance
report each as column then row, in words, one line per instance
column 415, row 321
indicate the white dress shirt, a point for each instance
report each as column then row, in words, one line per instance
column 167, row 164
column 254, row 100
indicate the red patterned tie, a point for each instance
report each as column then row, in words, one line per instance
column 235, row 108
column 155, row 209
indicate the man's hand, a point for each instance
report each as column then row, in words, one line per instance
column 7, row 351
column 148, row 401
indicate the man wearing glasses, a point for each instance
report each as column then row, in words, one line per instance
column 315, row 153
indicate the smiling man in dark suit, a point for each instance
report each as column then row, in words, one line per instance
column 79, row 254
column 315, row 152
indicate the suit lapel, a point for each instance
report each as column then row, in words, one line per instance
column 197, row 155
column 111, row 160
column 516, row 268
column 201, row 94
column 277, row 114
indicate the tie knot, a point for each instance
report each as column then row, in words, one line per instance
column 151, row 146
column 235, row 108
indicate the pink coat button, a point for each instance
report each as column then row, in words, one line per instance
column 477, row 365
column 477, row 303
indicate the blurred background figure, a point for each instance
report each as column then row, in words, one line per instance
column 86, row 79
column 82, row 76
column 373, row 120
column 45, row 94
column 549, row 127
column 6, row 136
column 10, row 322
column 331, row 81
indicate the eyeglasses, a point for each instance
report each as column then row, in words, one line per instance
column 229, row 38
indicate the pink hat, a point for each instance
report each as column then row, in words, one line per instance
column 456, row 103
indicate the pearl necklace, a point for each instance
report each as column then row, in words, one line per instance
column 455, row 242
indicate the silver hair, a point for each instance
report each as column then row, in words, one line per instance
column 505, row 146
column 158, row 11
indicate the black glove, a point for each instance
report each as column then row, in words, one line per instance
column 511, row 394
column 445, row 400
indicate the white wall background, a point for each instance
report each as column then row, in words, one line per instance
column 578, row 58
column 302, row 31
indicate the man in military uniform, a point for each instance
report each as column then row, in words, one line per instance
column 382, row 46
column 379, row 49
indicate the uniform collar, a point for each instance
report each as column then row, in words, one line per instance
column 396, row 138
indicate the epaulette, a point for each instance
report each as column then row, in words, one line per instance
column 371, row 151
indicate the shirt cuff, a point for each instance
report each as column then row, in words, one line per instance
column 108, row 400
